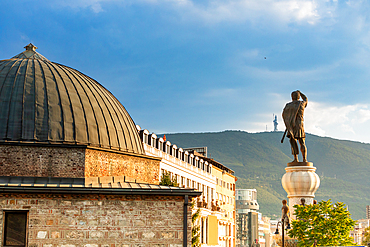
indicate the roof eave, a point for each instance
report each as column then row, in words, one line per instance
column 102, row 191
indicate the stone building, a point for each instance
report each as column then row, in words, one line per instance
column 193, row 169
column 73, row 170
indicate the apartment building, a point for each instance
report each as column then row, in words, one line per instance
column 193, row 169
column 358, row 231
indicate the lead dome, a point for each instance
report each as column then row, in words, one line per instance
column 43, row 102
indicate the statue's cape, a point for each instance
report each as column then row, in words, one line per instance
column 290, row 115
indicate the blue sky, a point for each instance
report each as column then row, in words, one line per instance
column 199, row 66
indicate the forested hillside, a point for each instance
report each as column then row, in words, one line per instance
column 259, row 159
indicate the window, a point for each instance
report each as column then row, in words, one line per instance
column 145, row 139
column 15, row 228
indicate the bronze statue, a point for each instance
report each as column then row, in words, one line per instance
column 285, row 213
column 293, row 120
column 303, row 202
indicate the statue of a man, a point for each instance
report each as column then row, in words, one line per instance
column 293, row 120
column 285, row 213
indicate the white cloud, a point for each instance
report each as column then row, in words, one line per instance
column 284, row 77
column 94, row 5
column 343, row 122
column 284, row 11
column 255, row 11
column 220, row 93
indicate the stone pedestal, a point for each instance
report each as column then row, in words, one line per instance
column 300, row 181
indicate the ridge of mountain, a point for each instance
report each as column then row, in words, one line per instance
column 259, row 159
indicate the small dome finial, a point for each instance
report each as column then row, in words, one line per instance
column 30, row 47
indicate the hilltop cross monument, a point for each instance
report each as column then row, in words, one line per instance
column 300, row 180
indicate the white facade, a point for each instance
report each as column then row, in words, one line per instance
column 246, row 194
column 246, row 200
column 359, row 230
column 192, row 171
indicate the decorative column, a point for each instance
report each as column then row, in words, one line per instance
column 300, row 181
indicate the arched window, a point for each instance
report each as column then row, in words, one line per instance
column 180, row 153
column 191, row 159
column 174, row 151
column 186, row 157
column 153, row 140
column 160, row 142
column 167, row 147
column 196, row 161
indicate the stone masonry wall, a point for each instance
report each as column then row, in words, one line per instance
column 35, row 161
column 106, row 164
column 100, row 221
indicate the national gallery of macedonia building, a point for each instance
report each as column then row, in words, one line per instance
column 75, row 170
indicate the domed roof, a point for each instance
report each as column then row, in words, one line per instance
column 46, row 102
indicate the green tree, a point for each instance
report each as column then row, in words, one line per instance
column 195, row 228
column 166, row 180
column 322, row 224
column 366, row 239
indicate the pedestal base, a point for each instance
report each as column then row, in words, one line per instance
column 295, row 163
column 300, row 181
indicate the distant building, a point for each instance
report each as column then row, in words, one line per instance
column 247, row 217
column 368, row 212
column 264, row 231
column 359, row 230
column 193, row 169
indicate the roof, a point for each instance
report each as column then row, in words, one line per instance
column 105, row 185
column 43, row 102
column 218, row 165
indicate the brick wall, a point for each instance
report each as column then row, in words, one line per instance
column 36, row 161
column 41, row 161
column 105, row 164
column 100, row 221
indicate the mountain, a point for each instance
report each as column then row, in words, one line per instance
column 259, row 159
